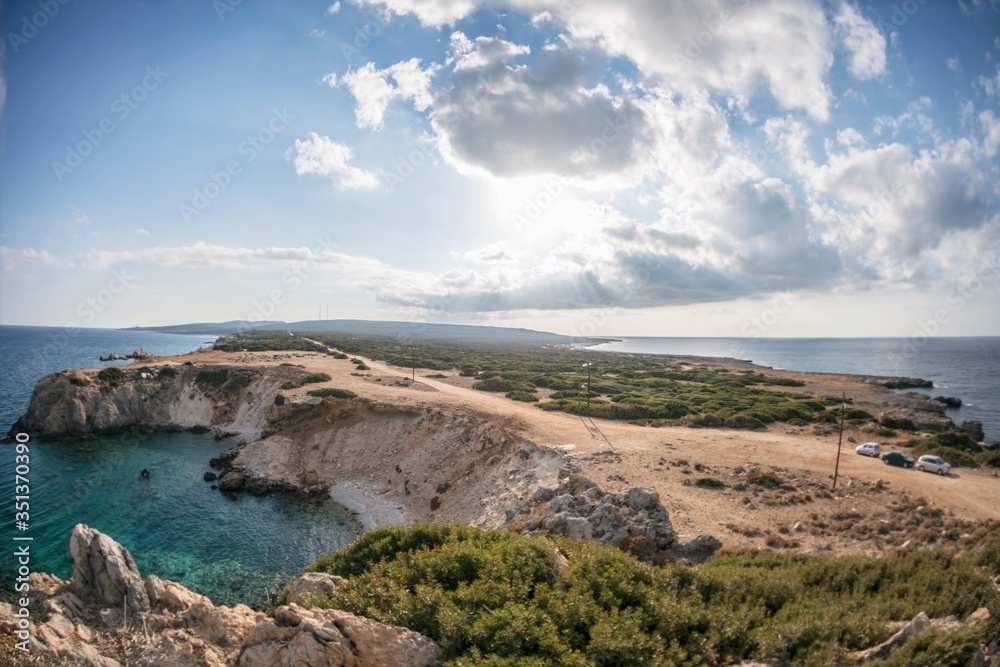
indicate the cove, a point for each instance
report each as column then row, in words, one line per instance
column 231, row 548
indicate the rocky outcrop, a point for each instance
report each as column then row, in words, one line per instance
column 920, row 624
column 81, row 622
column 635, row 520
column 300, row 636
column 311, row 586
column 182, row 399
column 105, row 569
column 902, row 383
column 973, row 429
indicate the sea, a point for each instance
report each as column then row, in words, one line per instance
column 968, row 368
column 231, row 548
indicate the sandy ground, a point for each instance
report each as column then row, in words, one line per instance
column 618, row 455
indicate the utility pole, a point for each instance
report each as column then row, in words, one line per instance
column 413, row 363
column 840, row 440
column 587, row 366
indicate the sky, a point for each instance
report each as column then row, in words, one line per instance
column 590, row 167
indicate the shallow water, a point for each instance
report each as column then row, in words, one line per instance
column 174, row 524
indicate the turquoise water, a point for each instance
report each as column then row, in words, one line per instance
column 174, row 524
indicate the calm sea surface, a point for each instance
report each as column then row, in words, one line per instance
column 233, row 550
column 965, row 367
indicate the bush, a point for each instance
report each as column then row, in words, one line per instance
column 363, row 367
column 767, row 480
column 330, row 392
column 112, row 375
column 340, row 355
column 898, row 424
column 279, row 399
column 143, row 369
column 709, row 483
column 213, row 377
column 314, row 378
column 497, row 598
column 79, row 381
column 288, row 386
column 523, row 396
column 436, row 376
column 745, row 422
column 989, row 459
column 189, row 363
column 168, row 372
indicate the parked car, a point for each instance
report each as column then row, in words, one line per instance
column 869, row 449
column 936, row 464
column 897, row 459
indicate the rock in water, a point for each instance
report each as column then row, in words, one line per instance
column 105, row 567
column 974, row 429
column 210, row 477
column 231, row 481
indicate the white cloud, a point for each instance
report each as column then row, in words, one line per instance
column 323, row 157
column 374, row 92
column 142, row 231
column 316, row 33
column 333, row 9
column 862, row 40
column 12, row 258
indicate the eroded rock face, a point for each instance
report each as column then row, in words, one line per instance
column 330, row 637
column 105, row 569
column 312, row 586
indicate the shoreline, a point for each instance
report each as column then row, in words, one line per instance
column 369, row 510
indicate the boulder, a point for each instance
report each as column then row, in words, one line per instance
column 105, row 569
column 312, row 585
column 919, row 625
column 231, row 481
column 331, row 637
column 210, row 476
column 695, row 550
column 949, row 401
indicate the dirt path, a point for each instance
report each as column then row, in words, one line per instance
column 618, row 455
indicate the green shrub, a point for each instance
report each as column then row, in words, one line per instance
column 214, row 377
column 709, row 483
column 523, row 396
column 79, row 381
column 279, row 399
column 189, row 363
column 168, row 372
column 363, row 367
column 436, row 376
column 314, row 378
column 111, row 375
column 143, row 369
column 767, row 480
column 288, row 386
column 498, row 598
column 989, row 459
column 898, row 424
column 745, row 422
column 330, row 392
column 340, row 355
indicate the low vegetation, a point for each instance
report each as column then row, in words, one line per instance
column 330, row 392
column 212, row 378
column 645, row 389
column 315, row 378
column 269, row 341
column 111, row 375
column 78, row 381
column 955, row 447
column 168, row 372
column 497, row 598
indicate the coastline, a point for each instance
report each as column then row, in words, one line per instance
column 369, row 510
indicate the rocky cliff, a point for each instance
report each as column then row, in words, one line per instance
column 176, row 397
column 107, row 615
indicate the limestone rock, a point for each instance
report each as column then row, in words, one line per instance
column 231, row 481
column 331, row 637
column 695, row 550
column 106, row 569
column 312, row 585
column 919, row 625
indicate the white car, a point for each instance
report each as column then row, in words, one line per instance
column 869, row 449
column 936, row 464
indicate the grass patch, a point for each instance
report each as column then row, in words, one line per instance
column 497, row 598
column 168, row 372
column 523, row 396
column 363, row 367
column 288, row 386
column 330, row 392
column 709, row 483
column 314, row 378
column 78, row 381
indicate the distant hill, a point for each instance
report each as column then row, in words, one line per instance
column 210, row 328
column 414, row 330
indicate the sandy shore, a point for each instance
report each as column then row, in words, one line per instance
column 370, row 510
